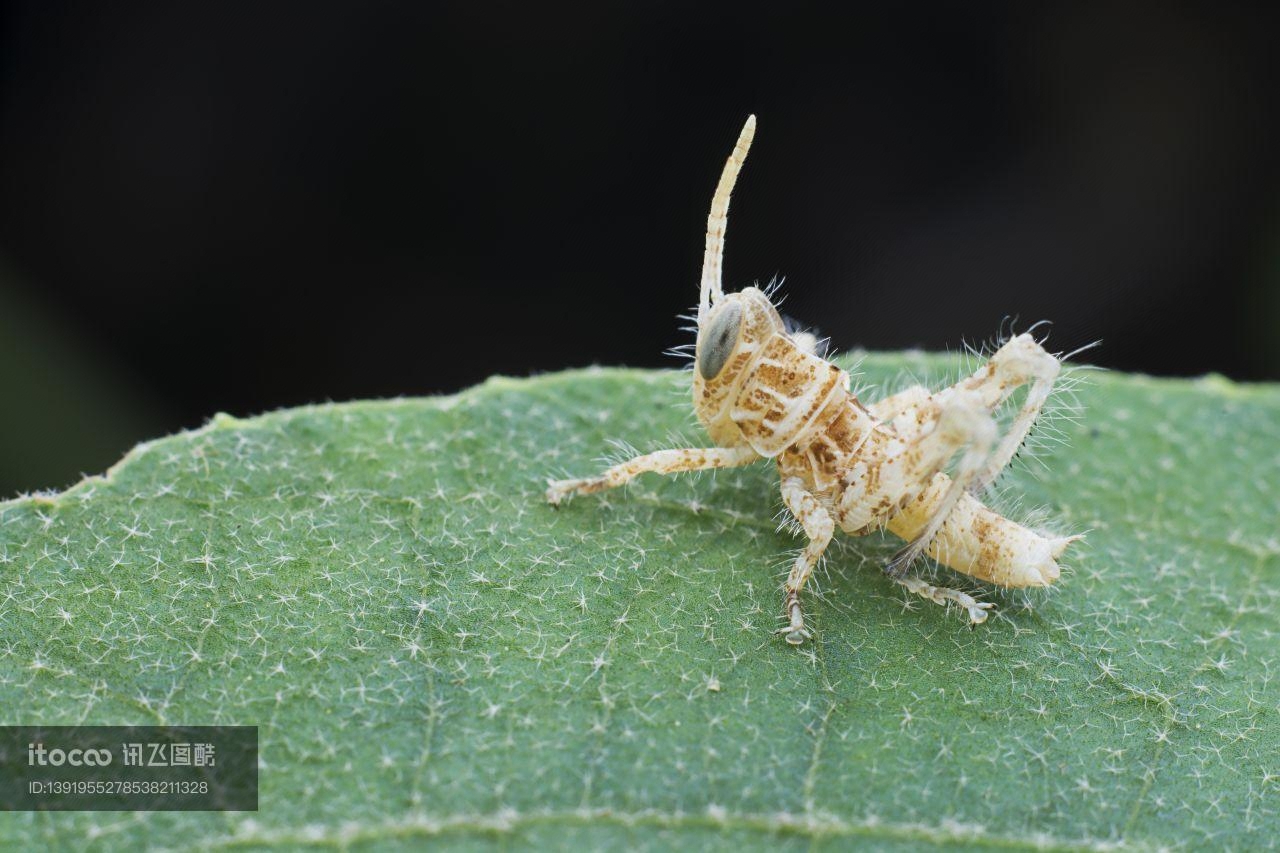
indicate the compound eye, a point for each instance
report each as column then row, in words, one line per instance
column 715, row 345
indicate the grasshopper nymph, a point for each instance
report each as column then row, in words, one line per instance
column 762, row 393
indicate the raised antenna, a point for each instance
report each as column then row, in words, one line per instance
column 718, row 220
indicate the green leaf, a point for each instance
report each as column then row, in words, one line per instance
column 433, row 654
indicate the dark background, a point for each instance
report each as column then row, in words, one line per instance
column 210, row 207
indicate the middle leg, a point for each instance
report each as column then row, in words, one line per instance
column 819, row 527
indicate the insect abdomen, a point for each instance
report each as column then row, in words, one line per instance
column 982, row 543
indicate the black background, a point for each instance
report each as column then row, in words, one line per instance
column 210, row 207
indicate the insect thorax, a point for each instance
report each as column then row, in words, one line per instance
column 769, row 393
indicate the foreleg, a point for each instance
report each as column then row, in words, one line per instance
column 659, row 462
column 819, row 527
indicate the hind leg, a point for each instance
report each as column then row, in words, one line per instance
column 1021, row 361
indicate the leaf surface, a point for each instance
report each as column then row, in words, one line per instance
column 431, row 653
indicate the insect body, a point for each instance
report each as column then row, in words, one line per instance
column 762, row 393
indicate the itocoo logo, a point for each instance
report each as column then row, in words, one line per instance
column 37, row 754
